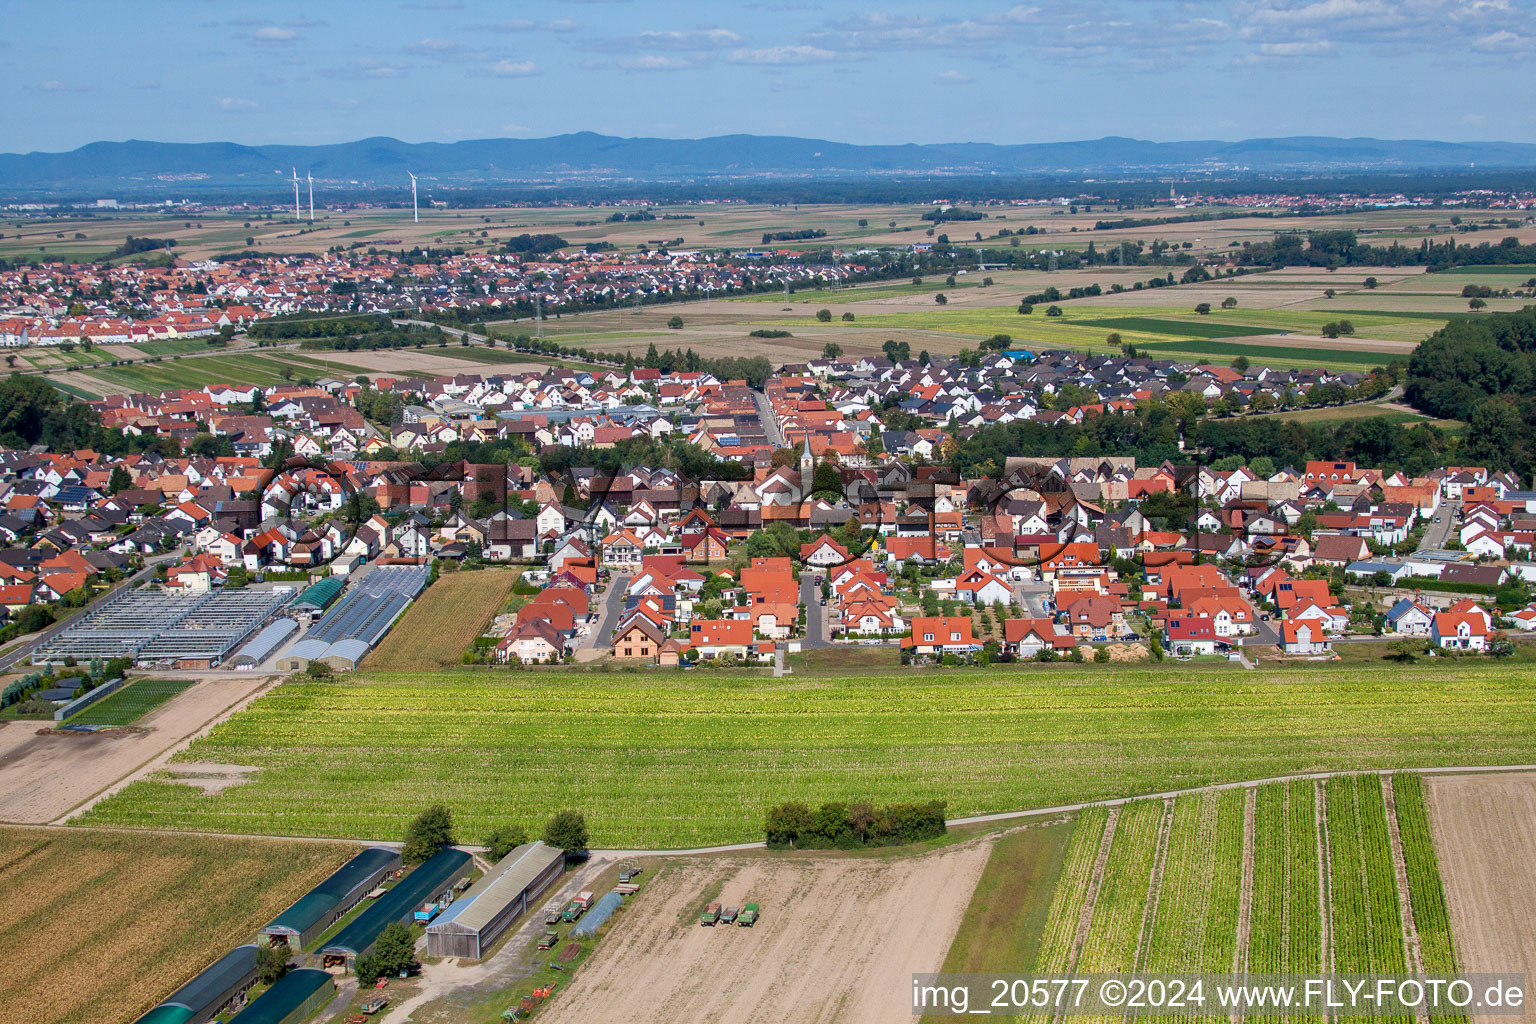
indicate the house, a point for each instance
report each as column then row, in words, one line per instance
column 941, row 634
column 981, row 587
column 638, row 639
column 1028, row 637
column 1190, row 635
column 715, row 638
column 1459, row 631
column 823, row 552
column 1095, row 617
column 531, row 640
column 1409, row 618
column 1338, row 548
column 1305, row 637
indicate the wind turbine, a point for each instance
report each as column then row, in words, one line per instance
column 295, row 193
column 311, row 178
column 415, row 213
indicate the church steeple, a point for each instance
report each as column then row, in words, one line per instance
column 807, row 468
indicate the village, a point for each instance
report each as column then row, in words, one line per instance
column 715, row 524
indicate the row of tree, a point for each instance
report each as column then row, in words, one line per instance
column 848, row 826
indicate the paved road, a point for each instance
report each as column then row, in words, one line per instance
column 815, row 614
column 1439, row 531
column 770, row 421
column 20, row 653
column 608, row 618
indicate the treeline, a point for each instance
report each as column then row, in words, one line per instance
column 849, row 826
column 132, row 246
column 1190, row 218
column 793, row 236
column 953, row 213
column 535, row 245
column 1343, row 249
column 395, row 337
column 290, row 328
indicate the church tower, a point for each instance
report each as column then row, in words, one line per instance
column 807, row 468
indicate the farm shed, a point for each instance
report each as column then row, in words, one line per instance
column 479, row 917
column 295, row 997
column 598, row 915
column 318, row 596
column 325, row 904
column 199, row 999
column 398, row 904
column 364, row 616
column 263, row 644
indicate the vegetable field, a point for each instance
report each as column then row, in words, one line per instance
column 100, row 926
column 436, row 630
column 665, row 760
column 1170, row 893
column 132, row 702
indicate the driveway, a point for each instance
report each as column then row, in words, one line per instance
column 1438, row 533
column 608, row 617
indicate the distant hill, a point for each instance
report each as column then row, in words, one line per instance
column 589, row 157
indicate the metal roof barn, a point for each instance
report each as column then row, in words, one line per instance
column 398, row 904
column 263, row 644
column 325, row 904
column 199, row 999
column 598, row 915
column 479, row 917
column 296, row 996
column 318, row 595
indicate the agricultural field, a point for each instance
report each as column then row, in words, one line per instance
column 1167, row 885
column 135, row 700
column 437, row 629
column 702, row 754
column 100, row 926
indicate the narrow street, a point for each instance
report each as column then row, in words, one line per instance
column 608, row 617
column 815, row 614
column 770, row 422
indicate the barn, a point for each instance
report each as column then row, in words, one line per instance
column 208, row 993
column 325, row 904
column 431, row 879
column 296, row 996
column 479, row 917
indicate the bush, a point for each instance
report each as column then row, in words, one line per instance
column 676, row 323
column 271, row 963
column 848, row 826
column 824, row 316
column 567, row 831
column 503, row 841
column 428, row 832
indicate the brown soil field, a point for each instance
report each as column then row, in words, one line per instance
column 436, row 630
column 100, row 926
column 1484, row 835
column 838, row 940
column 428, row 361
column 45, row 774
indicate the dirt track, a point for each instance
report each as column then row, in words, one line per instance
column 1483, row 829
column 839, row 940
column 43, row 777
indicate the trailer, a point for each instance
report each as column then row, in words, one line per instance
column 628, row 872
column 427, row 911
column 748, row 916
column 729, row 915
column 548, row 940
column 710, row 916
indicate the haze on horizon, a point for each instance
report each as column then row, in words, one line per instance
column 860, row 72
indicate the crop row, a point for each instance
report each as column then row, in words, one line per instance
column 695, row 760
column 1121, row 902
column 1200, row 893
column 1426, row 891
column 1366, row 926
column 1053, row 955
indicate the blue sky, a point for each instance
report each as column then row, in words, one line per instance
column 887, row 72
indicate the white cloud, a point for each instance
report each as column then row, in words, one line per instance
column 270, row 35
column 513, row 68
column 1503, row 41
column 433, row 47
column 526, row 25
column 236, row 104
column 784, row 55
column 952, row 77
column 1297, row 49
column 693, row 39
column 654, row 62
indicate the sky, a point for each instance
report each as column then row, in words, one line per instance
column 886, row 72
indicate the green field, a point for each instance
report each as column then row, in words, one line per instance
column 263, row 370
column 669, row 760
column 1522, row 269
column 1178, row 328
column 75, row 392
column 1259, row 355
column 132, row 702
column 1170, row 899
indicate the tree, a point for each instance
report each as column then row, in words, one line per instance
column 848, row 317
column 827, row 481
column 1241, row 364
column 941, row 298
column 1053, row 311
column 1476, row 304
column 1370, row 282
column 503, row 841
column 1327, row 293
column 1112, row 339
column 824, row 316
column 120, row 479
column 831, row 350
column 318, row 670
column 428, row 832
column 786, row 822
column 1025, row 309
column 676, row 323
column 393, row 952
column 567, row 831
column 1203, row 308
column 271, row 963
column 1229, row 303
column 1405, row 651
